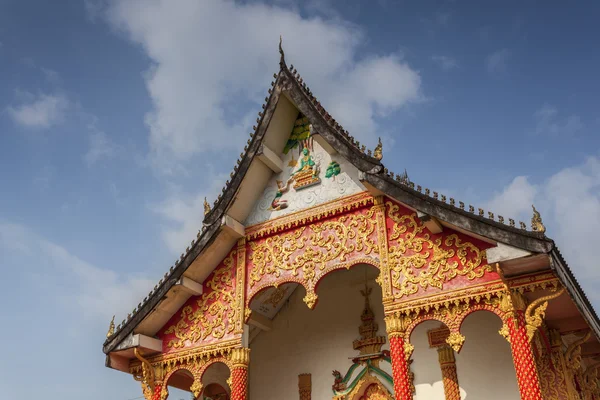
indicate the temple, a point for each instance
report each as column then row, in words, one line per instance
column 320, row 274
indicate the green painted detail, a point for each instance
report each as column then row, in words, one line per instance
column 333, row 169
column 377, row 371
column 300, row 132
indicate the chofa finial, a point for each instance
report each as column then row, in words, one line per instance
column 111, row 328
column 536, row 221
column 282, row 58
column 378, row 152
column 206, row 207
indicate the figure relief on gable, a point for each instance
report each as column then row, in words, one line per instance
column 310, row 176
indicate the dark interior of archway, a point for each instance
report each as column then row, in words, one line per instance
column 181, row 380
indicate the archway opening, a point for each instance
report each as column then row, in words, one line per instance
column 214, row 382
column 179, row 385
column 485, row 366
column 299, row 340
column 426, row 373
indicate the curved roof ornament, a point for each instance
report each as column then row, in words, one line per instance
column 282, row 58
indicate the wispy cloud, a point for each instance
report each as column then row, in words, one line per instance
column 548, row 122
column 101, row 147
column 182, row 124
column 445, row 62
column 38, row 111
column 567, row 200
column 497, row 62
column 95, row 291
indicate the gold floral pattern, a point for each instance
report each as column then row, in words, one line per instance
column 417, row 261
column 213, row 314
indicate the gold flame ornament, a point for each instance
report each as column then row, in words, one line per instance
column 111, row 327
column 206, row 207
column 378, row 152
column 536, row 221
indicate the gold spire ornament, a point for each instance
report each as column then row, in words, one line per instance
column 536, row 221
column 206, row 207
column 111, row 327
column 378, row 152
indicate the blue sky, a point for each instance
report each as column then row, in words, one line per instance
column 118, row 117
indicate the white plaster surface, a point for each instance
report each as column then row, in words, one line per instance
column 313, row 341
column 344, row 184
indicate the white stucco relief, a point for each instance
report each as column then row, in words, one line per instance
column 344, row 184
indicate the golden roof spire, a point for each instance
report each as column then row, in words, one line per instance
column 206, row 207
column 111, row 327
column 378, row 152
column 536, row 221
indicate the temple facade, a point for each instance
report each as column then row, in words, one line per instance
column 320, row 274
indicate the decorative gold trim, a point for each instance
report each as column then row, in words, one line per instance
column 536, row 311
column 240, row 287
column 384, row 278
column 240, row 357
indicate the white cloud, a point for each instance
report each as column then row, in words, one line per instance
column 184, row 215
column 209, row 57
column 100, row 147
column 496, row 63
column 96, row 292
column 38, row 111
column 569, row 202
column 548, row 122
column 445, row 62
column 515, row 200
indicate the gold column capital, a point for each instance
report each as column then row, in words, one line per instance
column 240, row 357
column 396, row 325
column 446, row 355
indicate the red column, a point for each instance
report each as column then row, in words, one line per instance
column 527, row 377
column 240, row 359
column 157, row 390
column 395, row 328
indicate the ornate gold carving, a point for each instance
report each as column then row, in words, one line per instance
column 446, row 355
column 196, row 388
column 111, row 328
column 324, row 242
column 213, row 306
column 310, row 299
column 276, row 296
column 504, row 332
column 536, row 221
column 535, row 312
column 573, row 353
column 240, row 357
column 206, row 207
column 408, row 350
column 396, row 325
column 456, row 341
column 240, row 288
column 384, row 270
column 378, row 152
column 411, row 264
column 369, row 343
column 146, row 378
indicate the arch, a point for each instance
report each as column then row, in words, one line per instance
column 216, row 392
column 340, row 267
column 181, row 377
column 480, row 307
column 216, row 373
column 253, row 293
column 424, row 318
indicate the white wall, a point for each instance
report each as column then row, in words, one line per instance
column 313, row 341
column 319, row 341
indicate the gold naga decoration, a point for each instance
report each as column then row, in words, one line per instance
column 111, row 328
column 322, row 243
column 215, row 314
column 146, row 378
column 536, row 311
column 536, row 221
column 206, row 207
column 416, row 261
column 378, row 152
column 573, row 352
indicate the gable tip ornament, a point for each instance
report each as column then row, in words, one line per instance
column 111, row 328
column 536, row 221
column 281, row 53
column 206, row 207
column 378, row 152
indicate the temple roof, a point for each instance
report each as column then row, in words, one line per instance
column 376, row 177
